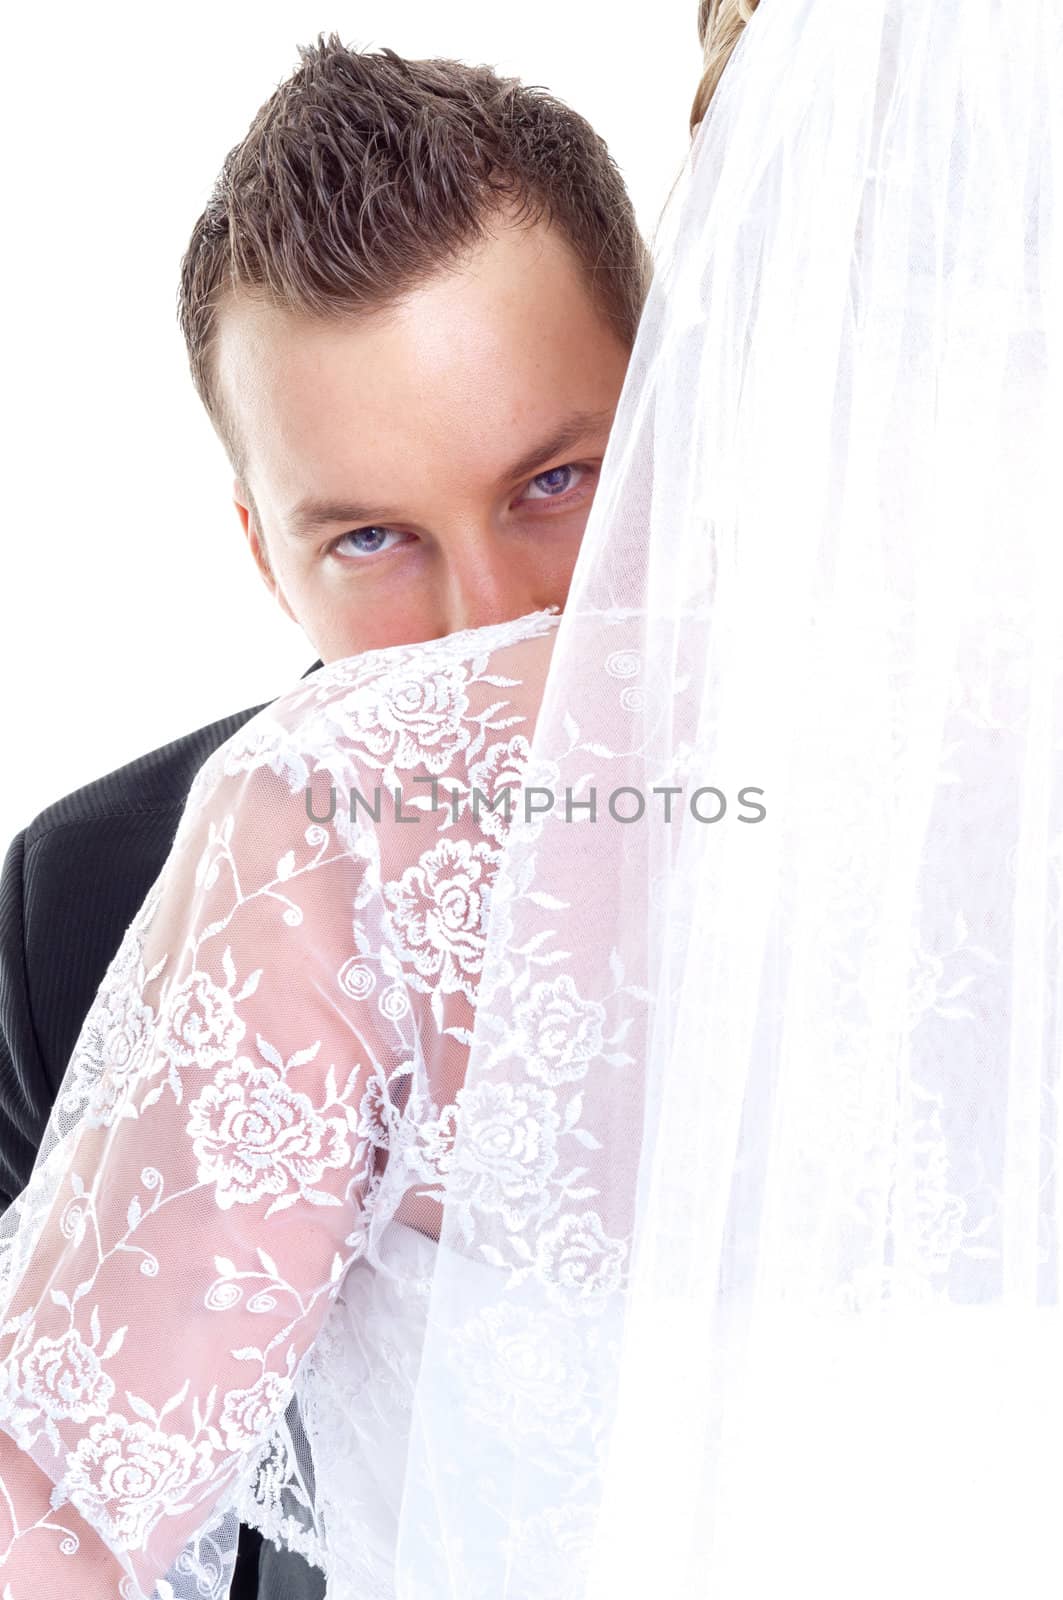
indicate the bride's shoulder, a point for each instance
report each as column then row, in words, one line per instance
column 373, row 676
column 389, row 708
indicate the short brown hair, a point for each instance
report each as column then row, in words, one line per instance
column 364, row 173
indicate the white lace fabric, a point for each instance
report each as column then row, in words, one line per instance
column 264, row 1084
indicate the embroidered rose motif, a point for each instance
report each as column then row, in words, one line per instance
column 425, row 1147
column 113, row 1049
column 375, row 1114
column 200, row 1026
column 438, row 912
column 577, row 1256
column 557, row 1546
column 265, row 742
column 254, row 1135
column 507, row 1151
column 248, row 1412
column 63, row 1377
column 522, row 1374
column 560, row 1032
column 511, row 766
column 115, row 1040
column 126, row 1475
column 412, row 716
column 498, row 775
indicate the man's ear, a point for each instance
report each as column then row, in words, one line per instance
column 257, row 546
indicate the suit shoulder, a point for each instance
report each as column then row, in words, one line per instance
column 157, row 781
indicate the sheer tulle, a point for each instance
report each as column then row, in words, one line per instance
column 778, row 1299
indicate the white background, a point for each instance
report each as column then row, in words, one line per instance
column 129, row 605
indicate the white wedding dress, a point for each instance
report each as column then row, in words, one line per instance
column 223, row 1297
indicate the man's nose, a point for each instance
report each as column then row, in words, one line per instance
column 489, row 581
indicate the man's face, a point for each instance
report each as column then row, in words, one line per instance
column 429, row 467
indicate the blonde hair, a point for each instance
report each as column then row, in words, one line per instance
column 720, row 24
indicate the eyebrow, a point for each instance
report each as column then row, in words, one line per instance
column 314, row 512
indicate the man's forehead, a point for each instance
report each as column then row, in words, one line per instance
column 504, row 276
column 340, row 412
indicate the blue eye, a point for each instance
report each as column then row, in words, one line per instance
column 366, row 541
column 555, row 482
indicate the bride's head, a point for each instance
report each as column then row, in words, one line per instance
column 720, row 24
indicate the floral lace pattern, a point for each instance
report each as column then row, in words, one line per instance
column 275, row 1031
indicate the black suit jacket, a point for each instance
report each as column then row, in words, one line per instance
column 72, row 882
